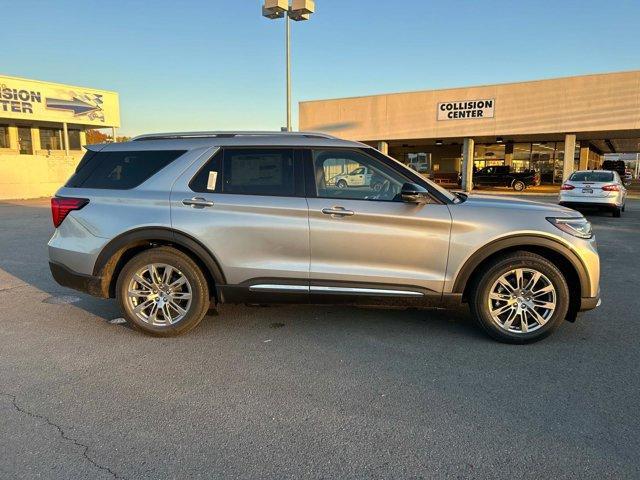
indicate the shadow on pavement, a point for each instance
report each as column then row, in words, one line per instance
column 27, row 228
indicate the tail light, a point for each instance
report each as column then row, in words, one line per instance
column 61, row 206
column 611, row 188
column 566, row 186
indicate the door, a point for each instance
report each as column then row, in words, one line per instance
column 367, row 241
column 489, row 176
column 247, row 207
column 24, row 141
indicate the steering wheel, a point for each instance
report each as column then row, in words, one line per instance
column 386, row 192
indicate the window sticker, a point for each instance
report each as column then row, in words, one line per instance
column 211, row 180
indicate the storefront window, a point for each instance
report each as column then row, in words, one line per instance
column 542, row 160
column 74, row 140
column 4, row 136
column 51, row 139
column 521, row 157
column 488, row 155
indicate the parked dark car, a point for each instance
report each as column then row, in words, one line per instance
column 502, row 176
column 615, row 166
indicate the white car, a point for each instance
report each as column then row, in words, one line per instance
column 594, row 188
column 360, row 177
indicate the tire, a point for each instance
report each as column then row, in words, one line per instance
column 486, row 282
column 342, row 184
column 616, row 212
column 178, row 266
column 377, row 186
column 518, row 186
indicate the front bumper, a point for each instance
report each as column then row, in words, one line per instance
column 78, row 281
column 589, row 303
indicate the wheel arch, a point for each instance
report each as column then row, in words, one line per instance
column 561, row 255
column 125, row 246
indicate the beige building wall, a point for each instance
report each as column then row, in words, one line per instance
column 38, row 174
column 34, row 176
column 591, row 103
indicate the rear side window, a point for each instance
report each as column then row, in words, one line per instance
column 120, row 170
column 592, row 177
column 259, row 172
column 209, row 176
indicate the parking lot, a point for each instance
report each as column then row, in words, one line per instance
column 316, row 392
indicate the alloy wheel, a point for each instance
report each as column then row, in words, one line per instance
column 159, row 294
column 522, row 300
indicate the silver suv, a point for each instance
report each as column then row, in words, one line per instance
column 172, row 225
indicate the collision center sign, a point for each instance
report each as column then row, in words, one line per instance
column 24, row 99
column 466, row 109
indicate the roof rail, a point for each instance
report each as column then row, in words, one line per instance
column 226, row 134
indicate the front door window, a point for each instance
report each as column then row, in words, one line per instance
column 24, row 140
column 350, row 174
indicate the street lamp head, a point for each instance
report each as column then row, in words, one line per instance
column 302, row 10
column 274, row 9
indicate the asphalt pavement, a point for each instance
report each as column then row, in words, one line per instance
column 311, row 392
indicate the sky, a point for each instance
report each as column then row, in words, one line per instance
column 219, row 65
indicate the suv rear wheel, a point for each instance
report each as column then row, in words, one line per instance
column 162, row 292
column 520, row 298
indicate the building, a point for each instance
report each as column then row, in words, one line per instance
column 42, row 131
column 528, row 125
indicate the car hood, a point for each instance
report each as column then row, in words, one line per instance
column 494, row 201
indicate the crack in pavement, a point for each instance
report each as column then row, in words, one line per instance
column 62, row 435
column 6, row 289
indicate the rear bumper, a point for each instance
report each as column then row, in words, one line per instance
column 585, row 201
column 599, row 204
column 78, row 281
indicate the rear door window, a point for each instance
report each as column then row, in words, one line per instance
column 120, row 170
column 259, row 172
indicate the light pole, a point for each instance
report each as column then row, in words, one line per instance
column 298, row 10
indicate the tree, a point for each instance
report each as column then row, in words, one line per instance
column 96, row 136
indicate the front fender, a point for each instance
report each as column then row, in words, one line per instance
column 525, row 240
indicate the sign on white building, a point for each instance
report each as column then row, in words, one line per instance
column 465, row 109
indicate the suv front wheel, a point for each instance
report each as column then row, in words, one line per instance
column 162, row 292
column 520, row 297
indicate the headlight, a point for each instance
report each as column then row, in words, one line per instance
column 577, row 226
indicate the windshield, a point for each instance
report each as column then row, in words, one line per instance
column 592, row 177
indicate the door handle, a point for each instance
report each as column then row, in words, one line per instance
column 197, row 202
column 338, row 212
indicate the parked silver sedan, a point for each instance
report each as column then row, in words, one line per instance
column 594, row 188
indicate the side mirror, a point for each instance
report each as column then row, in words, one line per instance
column 412, row 193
